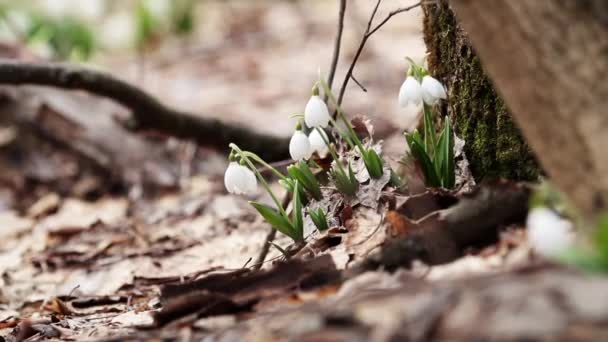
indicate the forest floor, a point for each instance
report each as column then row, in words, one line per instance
column 138, row 239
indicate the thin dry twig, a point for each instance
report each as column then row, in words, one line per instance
column 358, row 83
column 369, row 31
column 148, row 113
column 337, row 44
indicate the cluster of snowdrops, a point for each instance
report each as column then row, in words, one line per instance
column 318, row 133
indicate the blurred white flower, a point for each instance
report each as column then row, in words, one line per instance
column 90, row 9
column 159, row 8
column 19, row 22
column 316, row 113
column 239, row 180
column 299, row 146
column 317, row 144
column 118, row 31
column 56, row 8
column 548, row 234
column 410, row 92
column 432, row 90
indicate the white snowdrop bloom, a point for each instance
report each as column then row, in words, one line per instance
column 239, row 180
column 299, row 146
column 410, row 92
column 316, row 113
column 432, row 90
column 90, row 9
column 548, row 233
column 118, row 31
column 317, row 144
column 159, row 8
column 56, row 8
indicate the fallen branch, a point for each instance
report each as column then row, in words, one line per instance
column 147, row 112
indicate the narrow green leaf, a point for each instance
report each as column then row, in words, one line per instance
column 319, row 219
column 430, row 139
column 373, row 163
column 275, row 219
column 447, row 161
column 417, row 150
column 298, row 222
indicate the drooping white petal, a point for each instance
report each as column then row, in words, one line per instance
column 410, row 92
column 317, row 144
column 432, row 90
column 250, row 182
column 548, row 233
column 316, row 113
column 239, row 180
column 299, row 146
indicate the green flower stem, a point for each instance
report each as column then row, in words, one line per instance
column 332, row 152
column 260, row 178
column 353, row 134
column 344, row 135
column 265, row 164
column 430, row 140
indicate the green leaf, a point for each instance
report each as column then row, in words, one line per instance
column 373, row 163
column 145, row 23
column 346, row 184
column 430, row 139
column 447, row 164
column 319, row 219
column 302, row 173
column 600, row 237
column 444, row 156
column 183, row 17
column 298, row 222
column 275, row 219
column 417, row 150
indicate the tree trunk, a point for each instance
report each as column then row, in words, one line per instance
column 494, row 145
column 549, row 61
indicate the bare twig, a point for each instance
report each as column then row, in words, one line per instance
column 358, row 83
column 269, row 238
column 337, row 44
column 369, row 31
column 148, row 112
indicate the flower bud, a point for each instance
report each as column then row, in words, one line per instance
column 432, row 90
column 410, row 92
column 239, row 180
column 317, row 143
column 299, row 146
column 316, row 113
column 548, row 233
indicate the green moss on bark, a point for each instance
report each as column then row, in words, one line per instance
column 494, row 145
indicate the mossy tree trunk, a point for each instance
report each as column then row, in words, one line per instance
column 494, row 145
column 549, row 61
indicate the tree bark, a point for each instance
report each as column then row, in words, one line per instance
column 549, row 61
column 494, row 145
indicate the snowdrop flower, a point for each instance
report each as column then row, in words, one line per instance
column 432, row 90
column 299, row 146
column 118, row 31
column 548, row 233
column 316, row 113
column 56, row 8
column 410, row 92
column 239, row 180
column 317, row 144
